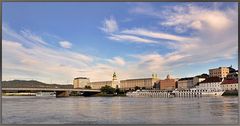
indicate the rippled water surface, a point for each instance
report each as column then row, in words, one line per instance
column 119, row 110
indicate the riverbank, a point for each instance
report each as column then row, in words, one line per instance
column 18, row 94
column 230, row 93
column 109, row 95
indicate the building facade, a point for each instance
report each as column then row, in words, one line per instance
column 211, row 84
column 143, row 83
column 99, row 84
column 230, row 84
column 221, row 72
column 80, row 82
column 167, row 84
column 186, row 83
column 199, row 78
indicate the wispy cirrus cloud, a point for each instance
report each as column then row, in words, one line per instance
column 156, row 35
column 117, row 61
column 130, row 38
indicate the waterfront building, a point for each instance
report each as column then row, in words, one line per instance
column 199, row 78
column 114, row 83
column 143, row 83
column 80, row 82
column 229, row 84
column 166, row 84
column 190, row 82
column 186, row 83
column 99, row 84
column 221, row 72
column 211, row 84
column 233, row 75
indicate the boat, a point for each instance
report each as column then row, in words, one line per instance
column 46, row 94
column 149, row 93
column 192, row 92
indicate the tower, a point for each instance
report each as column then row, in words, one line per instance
column 115, row 83
column 114, row 76
column 168, row 76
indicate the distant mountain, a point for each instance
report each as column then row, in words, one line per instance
column 31, row 84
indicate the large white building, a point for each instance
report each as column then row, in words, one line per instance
column 211, row 84
column 230, row 84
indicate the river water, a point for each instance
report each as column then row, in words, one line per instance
column 119, row 110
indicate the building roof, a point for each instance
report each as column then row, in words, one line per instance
column 186, row 78
column 138, row 79
column 202, row 76
column 212, row 79
column 232, row 70
column 230, row 81
column 80, row 78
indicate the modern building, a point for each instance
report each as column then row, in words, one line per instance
column 143, row 83
column 168, row 83
column 229, row 84
column 186, row 83
column 221, row 72
column 80, row 82
column 211, row 84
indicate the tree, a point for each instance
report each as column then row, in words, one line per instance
column 118, row 91
column 107, row 90
column 136, row 88
column 88, row 87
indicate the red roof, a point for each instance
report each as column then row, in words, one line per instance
column 230, row 81
column 212, row 79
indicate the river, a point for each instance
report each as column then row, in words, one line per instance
column 119, row 110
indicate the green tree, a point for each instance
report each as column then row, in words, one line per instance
column 118, row 91
column 88, row 87
column 136, row 88
column 107, row 90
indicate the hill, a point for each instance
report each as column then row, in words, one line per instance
column 31, row 84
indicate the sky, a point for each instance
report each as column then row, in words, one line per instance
column 56, row 42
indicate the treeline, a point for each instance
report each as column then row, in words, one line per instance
column 31, row 84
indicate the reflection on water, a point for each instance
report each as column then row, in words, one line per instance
column 119, row 110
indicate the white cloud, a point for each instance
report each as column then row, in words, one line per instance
column 32, row 37
column 214, row 37
column 197, row 18
column 65, row 44
column 145, row 9
column 158, row 35
column 110, row 25
column 130, row 38
column 117, row 61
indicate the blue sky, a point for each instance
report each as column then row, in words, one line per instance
column 59, row 41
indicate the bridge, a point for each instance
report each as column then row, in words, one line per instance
column 60, row 92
